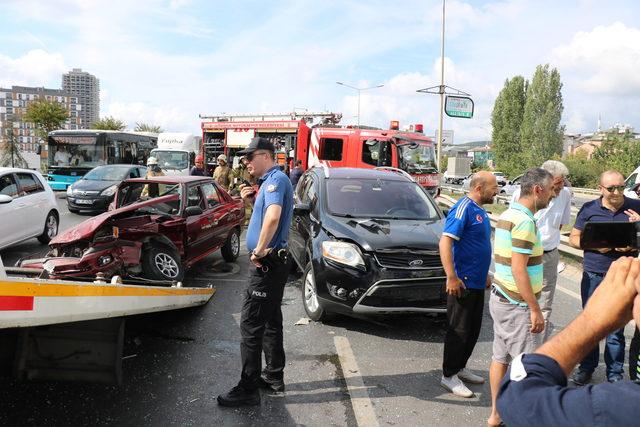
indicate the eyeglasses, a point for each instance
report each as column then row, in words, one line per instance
column 613, row 188
column 250, row 156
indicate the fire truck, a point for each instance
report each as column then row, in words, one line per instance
column 317, row 139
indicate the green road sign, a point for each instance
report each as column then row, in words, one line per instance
column 459, row 106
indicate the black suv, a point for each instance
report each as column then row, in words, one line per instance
column 367, row 242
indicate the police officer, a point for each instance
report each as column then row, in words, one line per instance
column 261, row 318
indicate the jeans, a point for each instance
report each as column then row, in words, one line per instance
column 614, row 345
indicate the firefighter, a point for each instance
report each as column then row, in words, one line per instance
column 222, row 173
column 153, row 170
column 239, row 175
column 198, row 169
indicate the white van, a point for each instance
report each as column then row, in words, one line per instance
column 630, row 182
column 175, row 152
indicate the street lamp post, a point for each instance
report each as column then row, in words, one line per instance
column 359, row 89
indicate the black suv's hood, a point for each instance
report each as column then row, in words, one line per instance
column 376, row 234
column 90, row 185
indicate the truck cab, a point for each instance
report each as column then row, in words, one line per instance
column 176, row 151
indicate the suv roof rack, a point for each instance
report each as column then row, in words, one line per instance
column 395, row 170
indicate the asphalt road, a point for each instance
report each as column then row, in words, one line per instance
column 343, row 372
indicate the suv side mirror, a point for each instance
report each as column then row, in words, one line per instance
column 193, row 211
column 302, row 208
column 4, row 199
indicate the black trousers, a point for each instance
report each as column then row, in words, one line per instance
column 464, row 318
column 634, row 353
column 261, row 325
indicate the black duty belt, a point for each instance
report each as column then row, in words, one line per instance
column 276, row 258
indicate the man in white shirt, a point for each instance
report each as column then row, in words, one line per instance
column 549, row 222
column 62, row 156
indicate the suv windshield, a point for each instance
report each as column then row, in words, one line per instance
column 377, row 198
column 172, row 159
column 418, row 158
column 107, row 173
column 169, row 197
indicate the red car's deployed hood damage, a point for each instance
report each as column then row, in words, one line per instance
column 86, row 229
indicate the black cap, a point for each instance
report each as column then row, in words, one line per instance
column 258, row 143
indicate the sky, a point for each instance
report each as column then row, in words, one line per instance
column 165, row 62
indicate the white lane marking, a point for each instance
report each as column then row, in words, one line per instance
column 360, row 401
column 569, row 292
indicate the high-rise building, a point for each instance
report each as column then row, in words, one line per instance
column 13, row 105
column 87, row 88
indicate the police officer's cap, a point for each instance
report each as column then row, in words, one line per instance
column 258, row 143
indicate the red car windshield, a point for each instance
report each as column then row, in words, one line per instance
column 169, row 197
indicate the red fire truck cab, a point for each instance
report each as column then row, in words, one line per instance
column 326, row 143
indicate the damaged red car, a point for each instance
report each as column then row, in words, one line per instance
column 159, row 227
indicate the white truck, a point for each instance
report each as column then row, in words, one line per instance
column 176, row 151
column 458, row 168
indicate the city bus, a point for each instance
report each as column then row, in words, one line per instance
column 72, row 153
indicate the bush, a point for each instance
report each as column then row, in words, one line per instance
column 583, row 172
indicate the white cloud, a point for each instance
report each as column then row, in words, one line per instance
column 34, row 68
column 605, row 60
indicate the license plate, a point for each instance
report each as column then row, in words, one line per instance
column 84, row 202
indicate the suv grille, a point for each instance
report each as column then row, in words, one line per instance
column 409, row 261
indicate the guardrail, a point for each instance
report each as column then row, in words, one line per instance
column 564, row 246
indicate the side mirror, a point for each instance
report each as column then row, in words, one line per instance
column 193, row 211
column 4, row 199
column 302, row 208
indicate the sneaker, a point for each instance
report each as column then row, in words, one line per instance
column 455, row 386
column 615, row 378
column 239, row 396
column 561, row 267
column 469, row 377
column 581, row 378
column 271, row 384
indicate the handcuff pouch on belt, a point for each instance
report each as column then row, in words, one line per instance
column 273, row 259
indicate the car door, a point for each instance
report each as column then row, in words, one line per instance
column 198, row 226
column 219, row 213
column 12, row 214
column 32, row 197
column 301, row 224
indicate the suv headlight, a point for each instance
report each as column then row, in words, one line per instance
column 343, row 253
column 69, row 190
column 109, row 191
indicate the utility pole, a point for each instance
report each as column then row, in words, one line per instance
column 359, row 89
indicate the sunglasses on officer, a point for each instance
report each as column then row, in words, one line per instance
column 251, row 156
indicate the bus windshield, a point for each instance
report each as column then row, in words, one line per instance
column 168, row 159
column 418, row 158
column 75, row 151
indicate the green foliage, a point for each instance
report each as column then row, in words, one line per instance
column 108, row 123
column 618, row 151
column 10, row 155
column 144, row 127
column 46, row 115
column 506, row 120
column 541, row 133
column 583, row 172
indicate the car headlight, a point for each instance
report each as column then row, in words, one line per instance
column 343, row 253
column 69, row 190
column 109, row 191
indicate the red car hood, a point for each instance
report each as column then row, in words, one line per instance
column 85, row 230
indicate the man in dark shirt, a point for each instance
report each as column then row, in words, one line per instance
column 612, row 206
column 198, row 169
column 534, row 392
column 296, row 173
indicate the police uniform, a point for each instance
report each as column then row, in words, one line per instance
column 261, row 315
column 261, row 319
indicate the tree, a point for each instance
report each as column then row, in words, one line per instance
column 619, row 151
column 506, row 121
column 108, row 123
column 11, row 156
column 541, row 132
column 46, row 115
column 583, row 172
column 143, row 127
